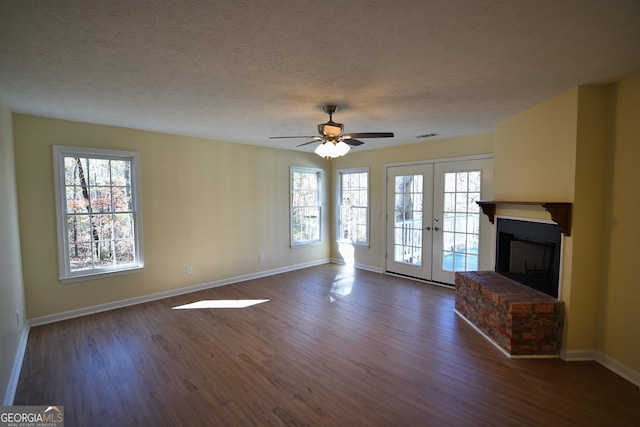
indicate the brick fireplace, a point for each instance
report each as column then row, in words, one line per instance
column 519, row 320
column 516, row 306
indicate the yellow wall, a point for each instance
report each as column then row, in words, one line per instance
column 592, row 140
column 535, row 160
column 621, row 322
column 582, row 147
column 209, row 204
column 373, row 256
column 534, row 152
column 11, row 286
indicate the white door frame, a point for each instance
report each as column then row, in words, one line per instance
column 488, row 259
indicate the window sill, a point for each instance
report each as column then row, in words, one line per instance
column 355, row 244
column 100, row 275
column 303, row 244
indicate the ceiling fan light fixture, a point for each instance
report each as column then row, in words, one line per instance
column 332, row 149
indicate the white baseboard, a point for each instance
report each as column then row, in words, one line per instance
column 487, row 337
column 619, row 368
column 166, row 294
column 358, row 266
column 579, row 355
column 12, row 386
column 608, row 362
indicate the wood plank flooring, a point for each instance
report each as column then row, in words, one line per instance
column 332, row 347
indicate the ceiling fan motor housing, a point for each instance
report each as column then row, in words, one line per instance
column 330, row 129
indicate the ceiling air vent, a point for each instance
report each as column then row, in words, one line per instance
column 428, row 135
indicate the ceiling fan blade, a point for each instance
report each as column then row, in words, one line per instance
column 303, row 136
column 369, row 135
column 307, row 143
column 353, row 142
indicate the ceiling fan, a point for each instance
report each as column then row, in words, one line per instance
column 334, row 142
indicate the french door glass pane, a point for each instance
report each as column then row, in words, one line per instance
column 461, row 221
column 408, row 220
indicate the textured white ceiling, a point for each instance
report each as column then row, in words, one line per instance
column 244, row 70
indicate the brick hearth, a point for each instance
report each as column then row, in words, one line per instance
column 520, row 320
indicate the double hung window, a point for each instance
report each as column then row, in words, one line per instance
column 98, row 211
column 306, row 206
column 353, row 209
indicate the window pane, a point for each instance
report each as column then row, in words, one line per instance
column 461, row 202
column 121, row 199
column 417, row 184
column 125, row 252
column 462, row 181
column 472, row 263
column 306, row 224
column 305, row 206
column 416, row 202
column 472, row 206
column 449, row 202
column 473, row 243
column 105, row 254
column 461, row 224
column 449, row 182
column 408, row 220
column 120, row 173
column 353, row 206
column 399, row 184
column 448, row 223
column 473, row 223
column 76, row 202
column 99, row 172
column 78, row 229
column 475, row 179
column 102, row 226
column 100, row 199
column 123, row 226
column 75, row 169
column 94, row 189
column 80, row 256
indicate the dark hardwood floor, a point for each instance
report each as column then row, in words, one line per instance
column 332, row 346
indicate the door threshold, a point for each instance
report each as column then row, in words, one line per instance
column 418, row 279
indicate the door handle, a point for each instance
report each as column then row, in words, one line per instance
column 436, row 228
column 427, row 228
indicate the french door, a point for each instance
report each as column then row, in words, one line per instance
column 434, row 226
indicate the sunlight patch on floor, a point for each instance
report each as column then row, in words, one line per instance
column 220, row 303
column 348, row 253
column 342, row 285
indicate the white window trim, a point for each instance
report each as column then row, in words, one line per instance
column 59, row 153
column 318, row 172
column 339, row 173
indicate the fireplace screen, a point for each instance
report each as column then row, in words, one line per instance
column 529, row 252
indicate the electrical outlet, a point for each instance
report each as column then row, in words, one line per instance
column 189, row 269
column 261, row 256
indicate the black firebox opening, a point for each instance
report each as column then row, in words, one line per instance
column 529, row 252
